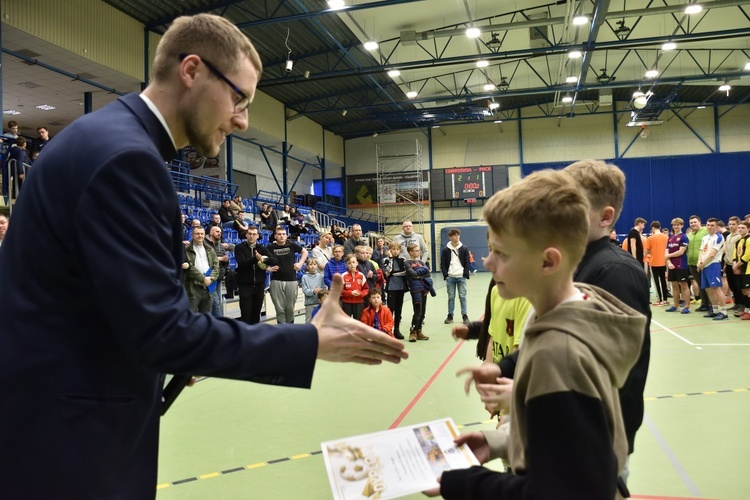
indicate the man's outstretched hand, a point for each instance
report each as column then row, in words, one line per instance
column 345, row 339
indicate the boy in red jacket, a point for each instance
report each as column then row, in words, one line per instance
column 355, row 288
column 376, row 314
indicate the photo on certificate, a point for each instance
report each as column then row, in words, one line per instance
column 394, row 463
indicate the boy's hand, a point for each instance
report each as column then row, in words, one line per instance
column 496, row 397
column 477, row 444
column 460, row 331
column 486, row 373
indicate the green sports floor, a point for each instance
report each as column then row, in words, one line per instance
column 231, row 440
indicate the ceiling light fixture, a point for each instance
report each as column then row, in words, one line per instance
column 336, row 4
column 669, row 46
column 411, row 94
column 482, row 63
column 571, row 79
column 504, row 84
column 494, row 105
column 580, row 20
column 498, row 121
column 725, row 88
column 640, row 102
column 344, row 112
column 567, row 99
column 494, row 41
column 652, row 73
column 638, row 94
column 574, row 54
column 693, row 8
column 747, row 67
column 701, row 107
column 473, row 32
column 489, row 87
column 394, row 73
column 436, row 126
column 371, row 45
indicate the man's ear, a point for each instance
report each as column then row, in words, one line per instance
column 607, row 217
column 188, row 69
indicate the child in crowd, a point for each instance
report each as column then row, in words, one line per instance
column 365, row 265
column 337, row 265
column 679, row 273
column 312, row 283
column 355, row 288
column 420, row 284
column 579, row 331
column 376, row 314
column 322, row 296
column 396, row 283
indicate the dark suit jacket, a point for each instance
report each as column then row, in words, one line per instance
column 91, row 318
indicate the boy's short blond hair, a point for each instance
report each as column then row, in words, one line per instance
column 602, row 183
column 394, row 245
column 544, row 209
column 679, row 221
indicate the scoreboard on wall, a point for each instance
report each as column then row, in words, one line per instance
column 467, row 182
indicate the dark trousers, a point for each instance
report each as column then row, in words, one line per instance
column 660, row 280
column 201, row 301
column 396, row 305
column 353, row 310
column 251, row 302
column 419, row 303
column 696, row 274
column 733, row 280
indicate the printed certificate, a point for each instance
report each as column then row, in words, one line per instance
column 394, row 463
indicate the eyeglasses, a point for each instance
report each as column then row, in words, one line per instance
column 244, row 101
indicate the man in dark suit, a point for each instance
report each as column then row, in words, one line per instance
column 90, row 321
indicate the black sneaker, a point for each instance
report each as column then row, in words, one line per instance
column 702, row 309
column 465, row 318
column 710, row 315
column 398, row 336
column 449, row 319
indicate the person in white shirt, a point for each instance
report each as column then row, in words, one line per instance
column 455, row 266
column 709, row 263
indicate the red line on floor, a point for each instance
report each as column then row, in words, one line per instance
column 651, row 497
column 425, row 387
column 706, row 323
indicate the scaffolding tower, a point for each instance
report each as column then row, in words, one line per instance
column 401, row 185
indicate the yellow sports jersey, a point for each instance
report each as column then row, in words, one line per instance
column 507, row 324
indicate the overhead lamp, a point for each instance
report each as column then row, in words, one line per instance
column 498, row 121
column 489, row 87
column 725, row 88
column 504, row 84
column 567, row 99
column 411, row 94
column 580, row 20
column 473, row 32
column 374, row 134
column 494, row 41
column 371, row 45
column 693, row 8
column 638, row 94
column 494, row 105
column 622, row 31
column 574, row 54
column 571, row 79
column 428, row 115
column 669, row 46
column 701, row 107
column 482, row 63
column 336, row 4
column 344, row 112
column 652, row 73
column 394, row 73
column 747, row 67
column 436, row 126
column 640, row 102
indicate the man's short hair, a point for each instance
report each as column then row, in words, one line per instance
column 12, row 124
column 603, row 184
column 251, row 228
column 41, row 128
column 694, row 217
column 279, row 229
column 734, row 218
column 198, row 228
column 639, row 220
column 712, row 219
column 721, row 223
column 21, row 141
column 544, row 209
column 656, row 225
column 454, row 231
column 206, row 35
column 412, row 246
column 679, row 221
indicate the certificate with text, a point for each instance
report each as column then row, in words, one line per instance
column 394, row 463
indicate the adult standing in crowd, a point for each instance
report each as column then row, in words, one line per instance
column 43, row 139
column 323, row 251
column 89, row 330
column 284, row 286
column 220, row 248
column 695, row 237
column 252, row 261
column 355, row 240
column 454, row 264
column 268, row 219
column 3, row 228
column 202, row 272
column 635, row 241
column 407, row 237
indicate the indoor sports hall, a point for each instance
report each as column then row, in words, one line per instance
column 376, row 112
